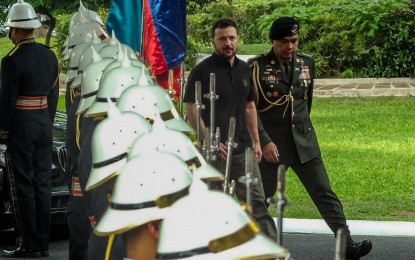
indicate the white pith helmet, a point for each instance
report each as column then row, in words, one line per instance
column 110, row 142
column 162, row 139
column 65, row 49
column 90, row 80
column 86, row 59
column 210, row 224
column 75, row 55
column 119, row 58
column 88, row 37
column 76, row 35
column 152, row 101
column 112, row 84
column 22, row 15
column 65, row 44
column 114, row 47
column 84, row 15
column 143, row 192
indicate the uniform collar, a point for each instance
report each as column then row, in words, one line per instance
column 272, row 55
column 26, row 41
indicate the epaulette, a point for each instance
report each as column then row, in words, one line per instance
column 13, row 50
column 305, row 56
column 250, row 60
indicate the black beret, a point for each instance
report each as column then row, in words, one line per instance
column 283, row 27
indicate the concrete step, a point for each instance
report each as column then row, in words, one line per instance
column 356, row 87
column 364, row 87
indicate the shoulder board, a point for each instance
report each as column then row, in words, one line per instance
column 13, row 50
column 250, row 60
column 305, row 56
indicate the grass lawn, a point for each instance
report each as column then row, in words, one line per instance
column 368, row 148
column 6, row 45
column 61, row 103
column 367, row 145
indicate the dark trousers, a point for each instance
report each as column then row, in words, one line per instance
column 97, row 198
column 77, row 215
column 313, row 176
column 260, row 211
column 79, row 231
column 29, row 163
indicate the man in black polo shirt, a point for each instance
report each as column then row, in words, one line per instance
column 236, row 99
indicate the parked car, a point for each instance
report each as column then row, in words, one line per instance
column 60, row 188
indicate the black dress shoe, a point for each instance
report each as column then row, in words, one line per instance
column 44, row 253
column 355, row 250
column 21, row 252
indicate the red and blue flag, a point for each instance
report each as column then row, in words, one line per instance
column 156, row 29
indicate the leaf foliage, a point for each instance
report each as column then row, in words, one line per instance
column 360, row 38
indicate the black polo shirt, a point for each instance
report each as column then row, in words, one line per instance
column 233, row 86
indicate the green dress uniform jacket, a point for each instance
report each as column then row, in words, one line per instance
column 284, row 108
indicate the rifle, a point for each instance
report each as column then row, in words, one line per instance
column 281, row 199
column 231, row 145
column 248, row 180
column 206, row 148
column 182, row 82
column 170, row 89
column 214, row 145
column 199, row 106
column 340, row 253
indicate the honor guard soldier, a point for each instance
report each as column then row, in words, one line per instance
column 28, row 100
column 283, row 80
column 78, row 212
column 111, row 85
column 209, row 224
column 143, row 192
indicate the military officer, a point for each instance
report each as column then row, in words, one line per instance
column 28, row 100
column 283, row 81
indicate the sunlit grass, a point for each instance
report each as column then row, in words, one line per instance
column 6, row 45
column 368, row 149
column 61, row 102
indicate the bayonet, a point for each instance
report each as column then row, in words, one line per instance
column 230, row 146
column 281, row 199
column 198, row 106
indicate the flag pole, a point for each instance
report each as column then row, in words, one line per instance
column 142, row 28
